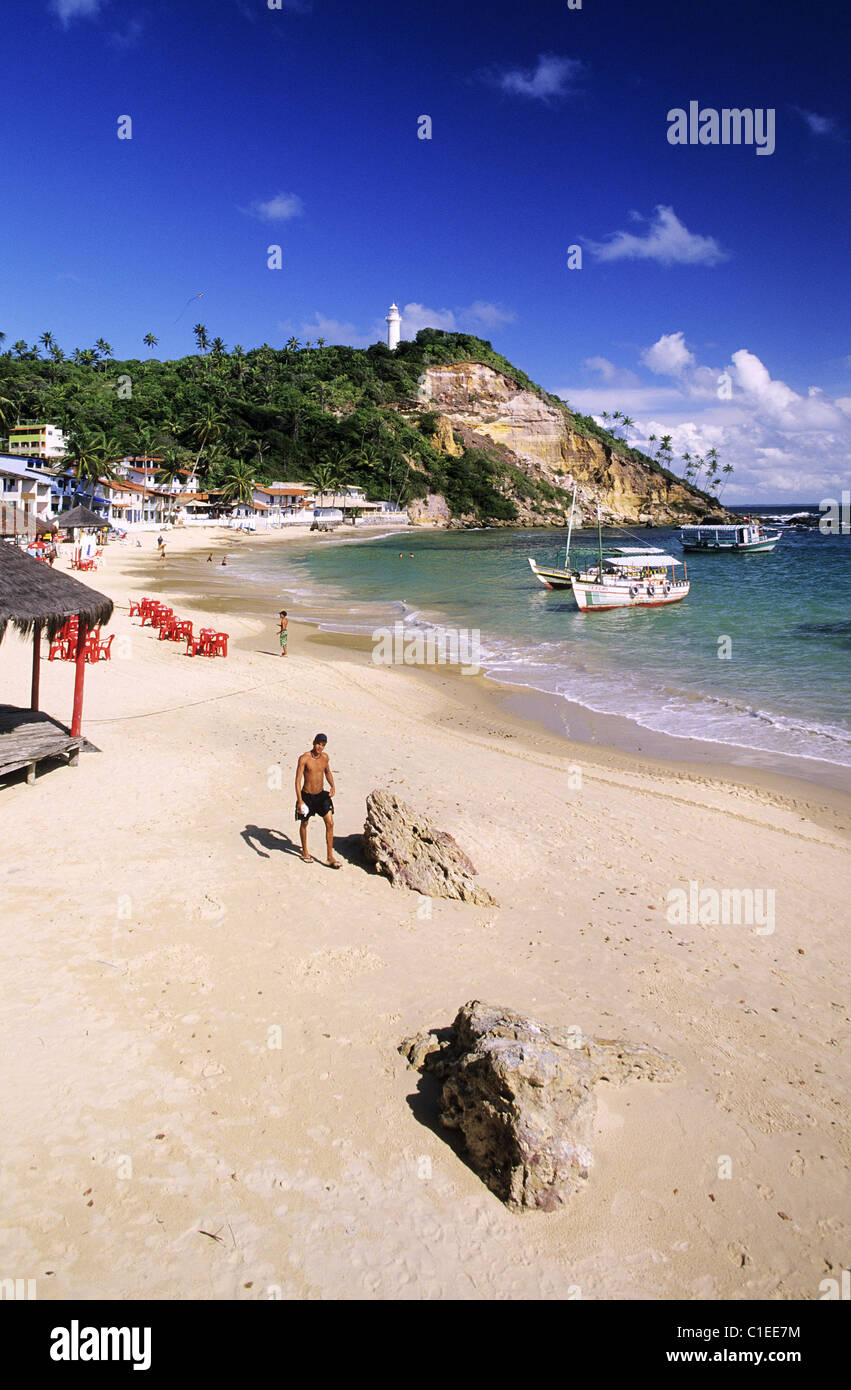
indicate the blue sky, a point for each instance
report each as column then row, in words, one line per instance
column 255, row 126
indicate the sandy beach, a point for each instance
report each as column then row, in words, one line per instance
column 201, row 1088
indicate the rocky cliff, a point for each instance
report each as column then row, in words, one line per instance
column 479, row 406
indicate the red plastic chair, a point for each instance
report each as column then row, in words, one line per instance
column 104, row 652
column 219, row 644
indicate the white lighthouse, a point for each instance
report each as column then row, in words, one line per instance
column 394, row 327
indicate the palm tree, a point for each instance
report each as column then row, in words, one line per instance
column 322, row 478
column 627, row 423
column 150, row 340
column 726, row 470
column 90, row 457
column 56, row 353
column 19, row 348
column 146, row 440
column 293, row 345
column 206, row 430
column 320, row 342
column 104, row 348
column 238, row 358
column 217, row 347
column 171, row 466
column 712, row 462
column 47, row 340
column 238, row 483
column 6, row 415
column 201, row 337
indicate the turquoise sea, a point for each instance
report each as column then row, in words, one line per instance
column 785, row 689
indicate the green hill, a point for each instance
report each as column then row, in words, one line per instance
column 328, row 413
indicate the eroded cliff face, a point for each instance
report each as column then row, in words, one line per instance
column 477, row 404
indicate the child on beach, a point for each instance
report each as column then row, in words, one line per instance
column 282, row 631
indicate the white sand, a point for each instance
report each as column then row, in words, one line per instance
column 159, row 933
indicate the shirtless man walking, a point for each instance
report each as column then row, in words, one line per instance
column 311, row 798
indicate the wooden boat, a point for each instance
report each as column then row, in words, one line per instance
column 628, row 577
column 550, row 576
column 746, row 536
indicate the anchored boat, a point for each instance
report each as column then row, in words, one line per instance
column 628, row 577
column 746, row 535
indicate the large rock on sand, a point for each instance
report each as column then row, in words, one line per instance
column 521, row 1094
column 407, row 848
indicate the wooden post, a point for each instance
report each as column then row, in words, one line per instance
column 79, row 676
column 36, row 665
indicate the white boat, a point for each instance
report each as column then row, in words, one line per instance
column 632, row 576
column 550, row 576
column 746, row 535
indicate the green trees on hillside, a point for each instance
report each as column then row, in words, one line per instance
column 282, row 414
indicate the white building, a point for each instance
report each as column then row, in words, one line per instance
column 25, row 487
column 37, row 441
column 394, row 327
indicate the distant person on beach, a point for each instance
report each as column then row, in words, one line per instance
column 282, row 631
column 311, row 798
column 224, row 559
column 209, row 559
column 162, row 551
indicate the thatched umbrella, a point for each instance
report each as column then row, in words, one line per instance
column 80, row 516
column 35, row 598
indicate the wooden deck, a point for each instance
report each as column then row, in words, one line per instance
column 27, row 736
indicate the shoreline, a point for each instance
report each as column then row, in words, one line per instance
column 581, row 726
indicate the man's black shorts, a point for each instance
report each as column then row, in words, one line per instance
column 317, row 803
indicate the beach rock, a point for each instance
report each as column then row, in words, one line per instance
column 413, row 854
column 432, row 510
column 521, row 1095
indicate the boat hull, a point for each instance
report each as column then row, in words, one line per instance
column 550, row 576
column 749, row 548
column 597, row 598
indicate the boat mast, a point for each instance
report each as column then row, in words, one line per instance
column 569, row 531
column 600, row 542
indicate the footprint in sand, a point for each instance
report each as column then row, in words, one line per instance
column 330, row 966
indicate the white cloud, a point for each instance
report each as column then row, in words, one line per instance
column 782, row 443
column 334, row 331
column 474, row 318
column 669, row 356
column 66, row 10
column 281, row 208
column 610, row 374
column 818, row 125
column 552, row 77
column 486, row 315
column 417, row 316
column 666, row 241
column 129, row 36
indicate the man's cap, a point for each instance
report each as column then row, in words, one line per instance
column 320, row 738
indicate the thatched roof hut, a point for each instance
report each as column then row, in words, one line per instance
column 80, row 516
column 32, row 594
